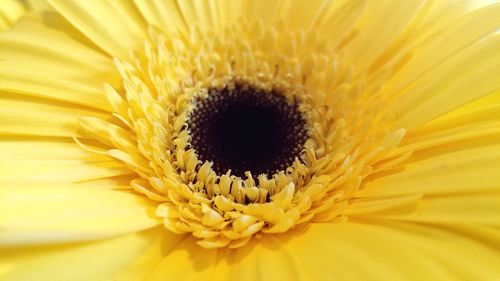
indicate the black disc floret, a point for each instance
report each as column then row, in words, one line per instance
column 245, row 128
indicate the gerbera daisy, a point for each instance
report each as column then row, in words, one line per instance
column 251, row 140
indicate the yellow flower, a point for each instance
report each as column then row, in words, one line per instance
column 250, row 140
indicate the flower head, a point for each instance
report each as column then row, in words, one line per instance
column 247, row 133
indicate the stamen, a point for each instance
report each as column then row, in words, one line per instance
column 247, row 129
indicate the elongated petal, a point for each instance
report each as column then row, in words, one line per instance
column 267, row 11
column 349, row 251
column 473, row 125
column 453, row 171
column 484, row 110
column 201, row 12
column 116, row 26
column 300, row 14
column 444, row 43
column 10, row 11
column 164, row 14
column 40, row 214
column 464, row 208
column 387, row 19
column 163, row 244
column 45, row 118
column 338, row 19
column 469, row 75
column 53, row 161
column 110, row 259
column 41, row 60
column 187, row 261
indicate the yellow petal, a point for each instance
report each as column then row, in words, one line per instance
column 164, row 14
column 469, row 75
column 439, row 14
column 164, row 242
column 39, row 5
column 353, row 251
column 56, row 213
column 479, row 112
column 472, row 125
column 441, row 172
column 368, row 206
column 445, row 42
column 435, row 20
column 337, row 20
column 378, row 27
column 121, row 258
column 199, row 12
column 481, row 133
column 348, row 251
column 53, row 161
column 268, row 259
column 267, row 11
column 476, row 257
column 480, row 127
column 42, row 60
column 116, row 25
column 301, row 14
column 10, row 11
column 450, row 209
column 45, row 118
column 187, row 261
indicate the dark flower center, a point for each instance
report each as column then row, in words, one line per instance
column 247, row 129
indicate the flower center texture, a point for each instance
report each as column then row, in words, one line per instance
column 245, row 129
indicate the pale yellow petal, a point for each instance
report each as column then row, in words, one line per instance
column 52, row 160
column 268, row 259
column 438, row 14
column 230, row 11
column 115, row 25
column 461, row 252
column 55, row 213
column 301, row 14
column 42, row 57
column 108, row 259
column 481, row 133
column 31, row 116
column 483, row 110
column 366, row 251
column 171, row 15
column 439, row 30
column 164, row 14
column 164, row 242
column 188, row 261
column 381, row 23
column 444, row 43
column 367, row 206
column 39, row 5
column 472, row 125
column 475, row 128
column 10, row 11
column 469, row 75
column 482, row 208
column 374, row 250
column 441, row 172
column 266, row 11
column 338, row 18
column 203, row 13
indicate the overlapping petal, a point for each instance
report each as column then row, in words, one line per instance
column 428, row 218
column 123, row 258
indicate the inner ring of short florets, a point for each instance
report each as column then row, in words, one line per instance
column 247, row 129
